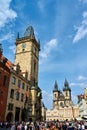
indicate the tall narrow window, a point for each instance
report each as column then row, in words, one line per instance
column 17, row 96
column 66, row 94
column 55, row 95
column 23, row 85
column 22, row 97
column 13, row 80
column 19, row 83
column 4, row 80
column 12, row 93
column 10, row 107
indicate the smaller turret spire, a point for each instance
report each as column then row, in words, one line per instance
column 55, row 86
column 66, row 85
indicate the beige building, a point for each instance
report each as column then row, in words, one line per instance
column 62, row 114
column 24, row 98
column 82, row 104
column 18, row 96
column 27, row 56
column 63, row 107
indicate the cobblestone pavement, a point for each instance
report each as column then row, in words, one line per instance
column 4, row 128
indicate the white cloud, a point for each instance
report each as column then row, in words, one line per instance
column 6, row 13
column 48, row 47
column 81, row 85
column 6, row 37
column 81, row 78
column 84, row 1
column 12, row 48
column 85, row 15
column 41, row 5
column 81, row 30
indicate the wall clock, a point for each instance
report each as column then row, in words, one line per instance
column 23, row 45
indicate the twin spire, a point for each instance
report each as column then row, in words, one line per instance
column 66, row 86
column 55, row 86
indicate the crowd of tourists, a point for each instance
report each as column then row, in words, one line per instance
column 51, row 125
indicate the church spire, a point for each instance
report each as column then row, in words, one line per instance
column 55, row 86
column 66, row 85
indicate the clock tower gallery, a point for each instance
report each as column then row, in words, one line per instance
column 27, row 55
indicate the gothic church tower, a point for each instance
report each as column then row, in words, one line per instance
column 67, row 93
column 55, row 95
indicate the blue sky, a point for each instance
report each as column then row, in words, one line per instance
column 61, row 26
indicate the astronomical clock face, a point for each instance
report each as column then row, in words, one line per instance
column 23, row 45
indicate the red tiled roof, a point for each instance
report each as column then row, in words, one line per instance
column 7, row 62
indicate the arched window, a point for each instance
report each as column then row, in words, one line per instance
column 61, row 104
column 66, row 94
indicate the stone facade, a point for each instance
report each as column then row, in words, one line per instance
column 61, row 100
column 27, row 55
column 18, row 96
column 4, row 84
column 62, row 114
column 63, row 107
column 22, row 95
column 82, row 104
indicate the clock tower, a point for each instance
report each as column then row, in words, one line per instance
column 27, row 55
